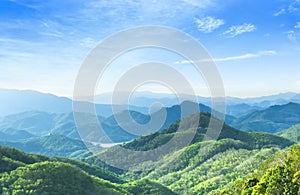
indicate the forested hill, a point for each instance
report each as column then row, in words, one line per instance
column 22, row 173
column 252, row 139
column 202, row 167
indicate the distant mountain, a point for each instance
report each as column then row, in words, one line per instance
column 273, row 119
column 15, row 135
column 41, row 124
column 146, row 98
column 172, row 114
column 35, row 122
column 239, row 110
column 266, row 101
column 16, row 101
column 136, row 116
column 292, row 133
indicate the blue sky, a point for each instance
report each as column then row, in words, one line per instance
column 254, row 43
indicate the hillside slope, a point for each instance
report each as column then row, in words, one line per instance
column 279, row 174
column 292, row 133
column 203, row 166
column 36, row 174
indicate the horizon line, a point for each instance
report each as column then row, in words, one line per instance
column 153, row 92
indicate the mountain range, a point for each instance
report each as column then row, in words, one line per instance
column 273, row 119
column 202, row 167
column 39, row 123
column 146, row 99
column 16, row 101
column 26, row 128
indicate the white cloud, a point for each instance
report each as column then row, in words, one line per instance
column 297, row 25
column 280, row 12
column 291, row 35
column 232, row 58
column 208, row 24
column 239, row 29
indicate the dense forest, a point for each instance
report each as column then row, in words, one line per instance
column 278, row 173
column 23, row 173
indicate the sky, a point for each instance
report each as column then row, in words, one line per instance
column 254, row 43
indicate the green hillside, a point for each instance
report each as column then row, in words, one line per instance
column 202, row 167
column 292, row 133
column 22, row 173
column 54, row 178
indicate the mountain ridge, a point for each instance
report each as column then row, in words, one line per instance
column 273, row 119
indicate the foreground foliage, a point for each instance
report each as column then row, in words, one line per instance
column 279, row 174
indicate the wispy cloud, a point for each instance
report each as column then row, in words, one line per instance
column 5, row 54
column 52, row 34
column 199, row 3
column 143, row 11
column 294, row 6
column 88, row 42
column 297, row 25
column 52, row 29
column 247, row 56
column 31, row 4
column 232, row 58
column 13, row 41
column 239, row 29
column 291, row 35
column 280, row 12
column 208, row 24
